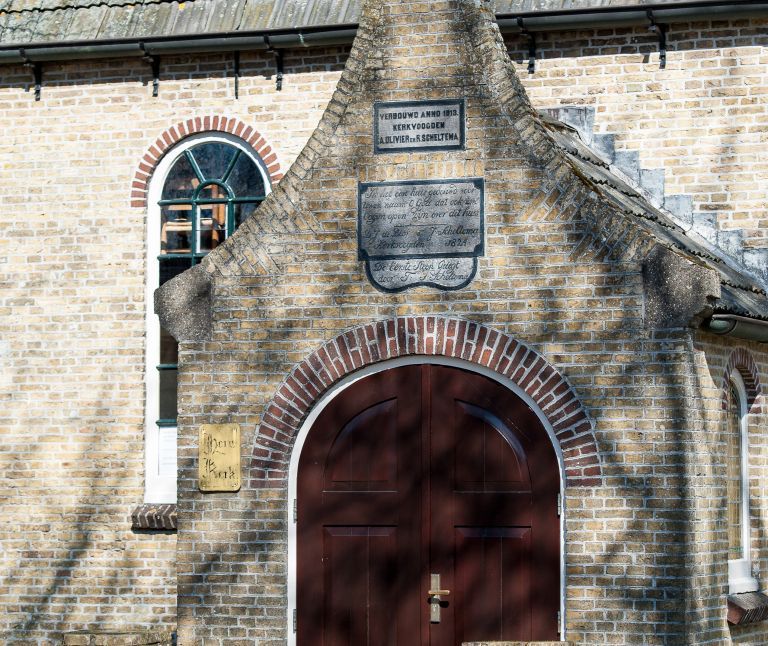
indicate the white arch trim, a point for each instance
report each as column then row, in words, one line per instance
column 341, row 386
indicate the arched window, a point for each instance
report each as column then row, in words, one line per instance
column 200, row 192
column 740, row 577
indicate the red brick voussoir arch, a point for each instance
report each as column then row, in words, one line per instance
column 741, row 361
column 176, row 133
column 431, row 336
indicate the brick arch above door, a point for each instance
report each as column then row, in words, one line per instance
column 193, row 126
column 427, row 336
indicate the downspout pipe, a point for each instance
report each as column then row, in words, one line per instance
column 739, row 327
column 341, row 34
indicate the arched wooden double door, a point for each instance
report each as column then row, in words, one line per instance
column 427, row 470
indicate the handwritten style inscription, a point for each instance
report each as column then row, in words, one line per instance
column 443, row 273
column 427, row 232
column 412, row 219
column 219, row 457
column 408, row 126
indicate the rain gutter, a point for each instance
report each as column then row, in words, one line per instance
column 740, row 327
column 645, row 14
column 340, row 34
column 268, row 40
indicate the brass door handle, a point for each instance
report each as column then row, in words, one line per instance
column 438, row 593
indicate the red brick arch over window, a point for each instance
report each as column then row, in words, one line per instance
column 742, row 362
column 193, row 126
column 431, row 336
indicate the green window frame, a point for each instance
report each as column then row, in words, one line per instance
column 210, row 189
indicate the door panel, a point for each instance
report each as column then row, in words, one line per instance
column 492, row 578
column 419, row 470
column 355, row 558
column 363, row 456
column 487, row 455
column 359, row 515
column 523, row 503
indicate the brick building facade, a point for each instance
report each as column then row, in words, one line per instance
column 587, row 303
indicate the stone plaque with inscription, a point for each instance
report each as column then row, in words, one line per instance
column 427, row 232
column 410, row 126
column 219, row 457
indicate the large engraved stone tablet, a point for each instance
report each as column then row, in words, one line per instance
column 426, row 232
column 405, row 126
column 219, row 457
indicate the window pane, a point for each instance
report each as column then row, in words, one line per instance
column 181, row 181
column 245, row 180
column 734, row 477
column 243, row 211
column 168, row 387
column 171, row 267
column 169, row 348
column 213, row 192
column 212, row 226
column 213, row 159
column 176, row 228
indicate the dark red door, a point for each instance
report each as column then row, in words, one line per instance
column 424, row 470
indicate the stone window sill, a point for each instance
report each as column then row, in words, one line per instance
column 154, row 516
column 747, row 608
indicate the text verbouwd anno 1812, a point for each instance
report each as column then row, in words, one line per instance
column 427, row 232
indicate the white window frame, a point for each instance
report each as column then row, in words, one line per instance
column 161, row 489
column 740, row 577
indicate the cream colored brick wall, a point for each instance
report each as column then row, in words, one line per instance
column 72, row 269
column 702, row 118
column 641, row 553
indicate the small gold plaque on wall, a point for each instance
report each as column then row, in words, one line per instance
column 219, row 457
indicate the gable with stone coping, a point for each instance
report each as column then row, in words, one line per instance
column 429, row 336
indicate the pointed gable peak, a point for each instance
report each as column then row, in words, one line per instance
column 419, row 48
